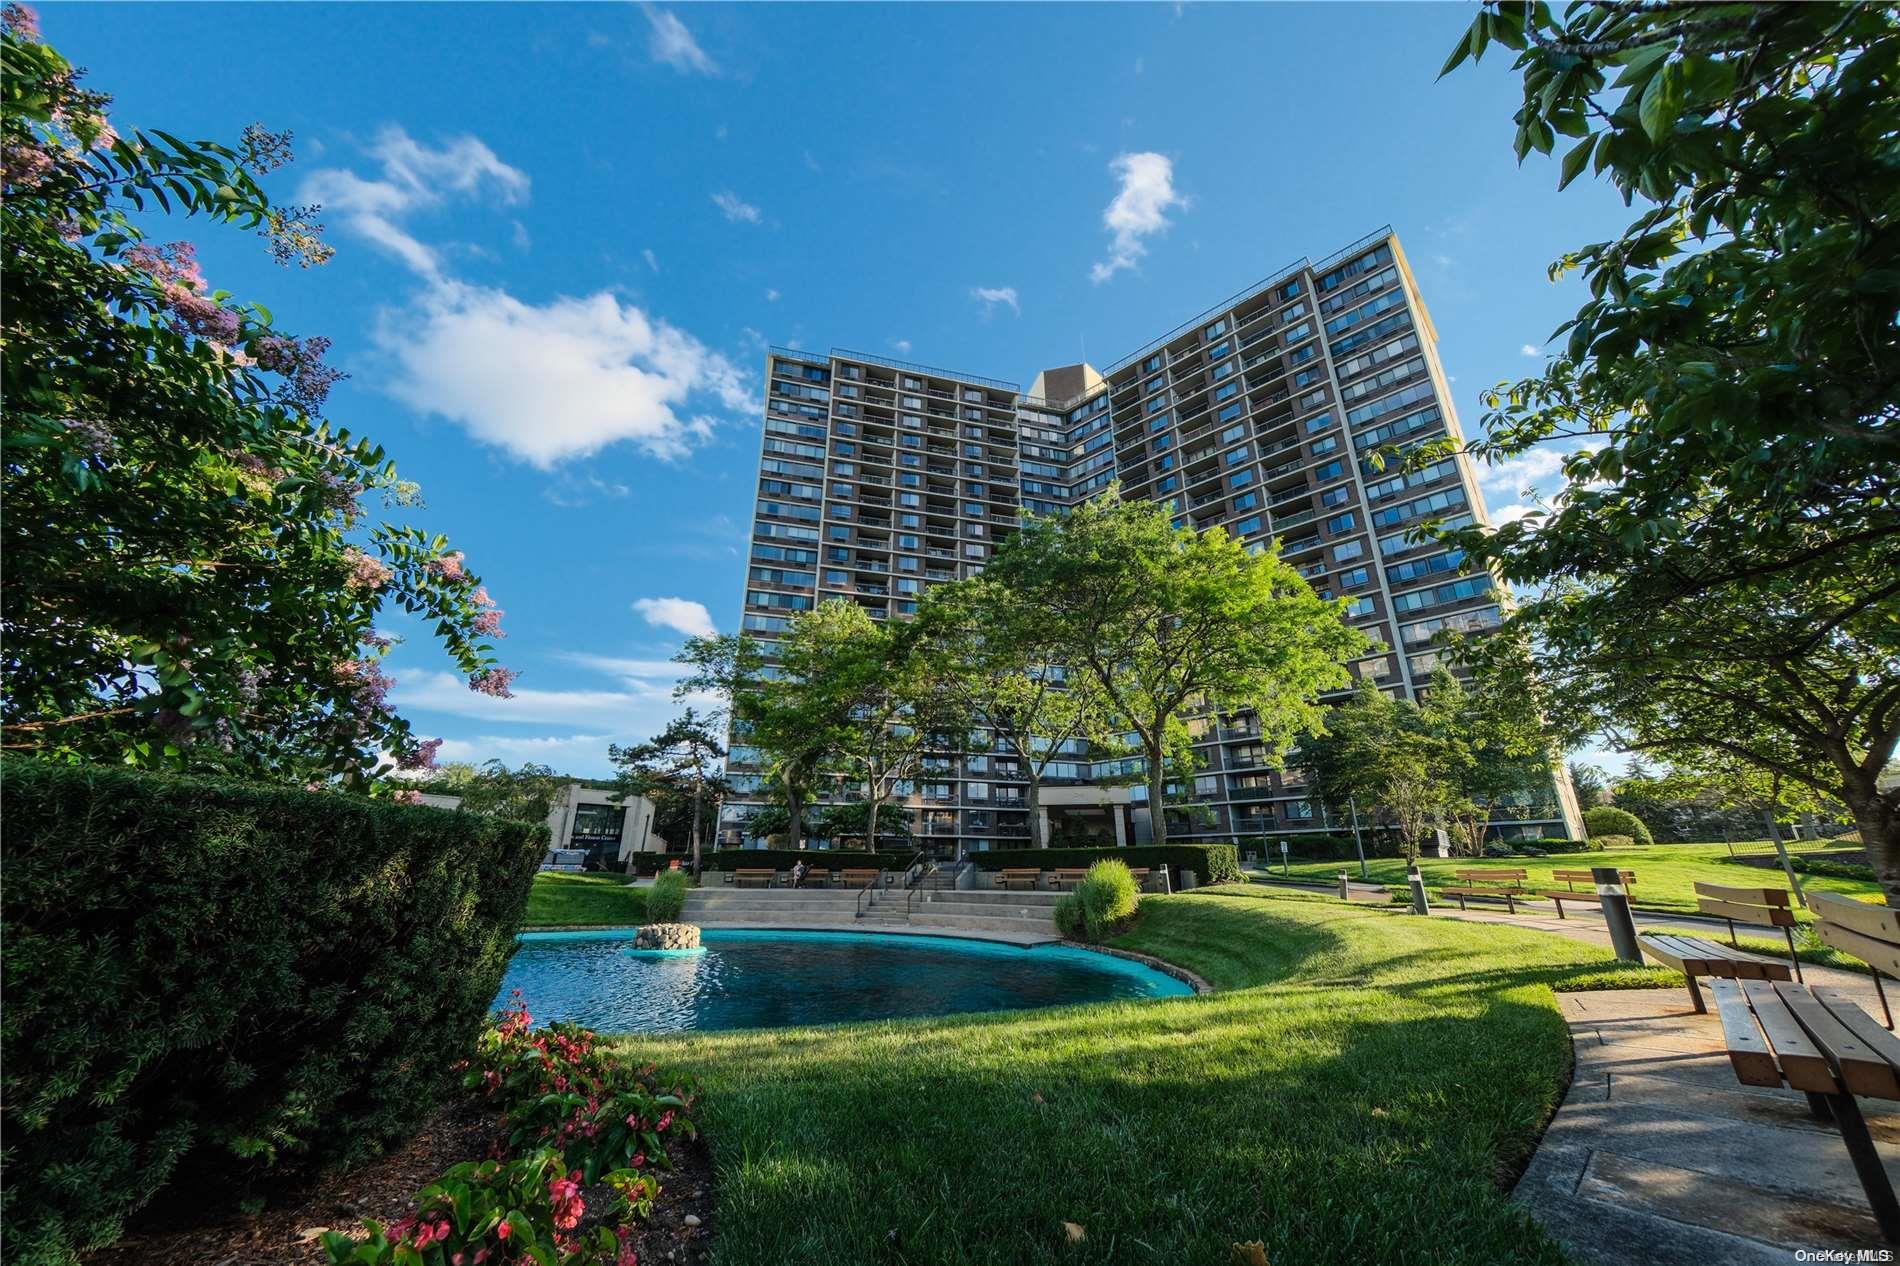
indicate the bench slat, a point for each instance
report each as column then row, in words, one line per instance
column 1760, row 916
column 1497, row 875
column 1747, row 896
column 1802, row 1063
column 1882, row 923
column 1861, row 1070
column 1881, row 1043
column 1748, row 1051
column 1570, row 894
column 1742, row 964
column 1876, row 954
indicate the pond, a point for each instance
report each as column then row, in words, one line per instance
column 768, row 979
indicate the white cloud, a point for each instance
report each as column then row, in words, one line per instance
column 1509, row 514
column 670, row 42
column 653, row 261
column 448, row 693
column 1139, row 210
column 627, row 668
column 523, row 239
column 990, row 296
column 735, row 208
column 579, row 754
column 414, row 177
column 1515, row 474
column 680, row 614
column 1141, row 64
column 556, row 380
column 1529, row 350
column 901, row 346
column 771, row 296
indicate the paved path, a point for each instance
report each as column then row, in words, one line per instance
column 1658, row 1155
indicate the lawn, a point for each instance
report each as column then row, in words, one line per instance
column 1665, row 873
column 570, row 900
column 1357, row 1091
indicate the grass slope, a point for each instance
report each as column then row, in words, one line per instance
column 1665, row 873
column 1353, row 1093
column 573, row 900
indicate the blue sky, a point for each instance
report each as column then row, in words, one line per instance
column 566, row 234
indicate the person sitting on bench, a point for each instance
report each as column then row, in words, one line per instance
column 798, row 873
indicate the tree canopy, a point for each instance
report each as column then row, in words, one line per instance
column 1164, row 620
column 1721, row 579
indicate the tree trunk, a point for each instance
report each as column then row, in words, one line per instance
column 1157, row 789
column 876, row 804
column 794, row 829
column 1878, row 821
column 695, row 830
column 1034, row 799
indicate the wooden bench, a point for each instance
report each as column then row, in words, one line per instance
column 1507, row 885
column 1694, row 956
column 858, row 878
column 1571, row 878
column 1141, row 877
column 1820, row 1043
column 1351, row 891
column 1066, row 878
column 1870, row 933
column 1018, row 877
column 765, row 878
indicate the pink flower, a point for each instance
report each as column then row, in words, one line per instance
column 423, row 757
column 409, row 796
column 23, row 166
column 301, row 363
column 488, row 624
column 192, row 313
column 21, row 21
column 503, row 1230
column 493, row 681
column 449, row 566
column 365, row 572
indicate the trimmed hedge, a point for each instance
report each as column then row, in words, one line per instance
column 1211, row 863
column 667, row 897
column 1105, row 898
column 1604, row 819
column 816, row 858
column 206, row 978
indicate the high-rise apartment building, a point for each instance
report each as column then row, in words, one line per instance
column 878, row 478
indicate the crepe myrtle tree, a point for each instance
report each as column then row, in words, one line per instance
column 193, row 578
column 1000, row 660
column 1165, row 622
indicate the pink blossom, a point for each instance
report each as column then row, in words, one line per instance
column 21, row 21
column 105, row 136
column 481, row 598
column 173, row 264
column 301, row 363
column 493, row 681
column 23, row 166
column 366, row 682
column 192, row 313
column 449, row 566
column 365, row 572
column 488, row 624
column 407, row 796
column 423, row 757
column 92, row 435
column 503, row 1230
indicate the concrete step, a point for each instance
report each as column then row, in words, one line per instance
column 990, row 896
column 969, row 923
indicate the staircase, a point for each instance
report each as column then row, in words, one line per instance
column 1012, row 916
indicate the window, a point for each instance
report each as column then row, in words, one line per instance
column 1247, row 526
column 1238, row 456
column 1350, row 550
column 1240, row 479
column 1214, row 331
column 1339, row 523
column 1246, row 501
column 1358, row 607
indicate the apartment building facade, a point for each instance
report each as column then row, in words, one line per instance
column 878, row 478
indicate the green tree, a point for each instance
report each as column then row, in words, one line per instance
column 1589, row 782
column 680, row 768
column 192, row 576
column 1724, row 572
column 1377, row 755
column 847, row 818
column 872, row 703
column 1165, row 621
column 529, row 792
column 1000, row 660
column 1495, row 747
column 781, row 705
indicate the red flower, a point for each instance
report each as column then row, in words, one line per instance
column 503, row 1230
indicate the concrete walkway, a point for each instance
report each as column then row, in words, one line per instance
column 1659, row 1156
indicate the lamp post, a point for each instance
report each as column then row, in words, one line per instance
column 1357, row 843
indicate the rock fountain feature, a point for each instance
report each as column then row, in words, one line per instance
column 676, row 937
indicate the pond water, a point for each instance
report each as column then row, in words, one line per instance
column 767, row 979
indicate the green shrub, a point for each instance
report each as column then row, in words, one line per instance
column 1604, row 819
column 1211, row 863
column 667, row 897
column 1106, row 896
column 816, row 858
column 1831, row 869
column 1606, row 843
column 207, row 978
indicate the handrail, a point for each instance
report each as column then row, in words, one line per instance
column 869, row 886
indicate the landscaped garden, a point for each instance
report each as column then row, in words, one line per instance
column 1666, row 874
column 581, row 900
column 1360, row 1087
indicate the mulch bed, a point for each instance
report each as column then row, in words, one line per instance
column 288, row 1229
